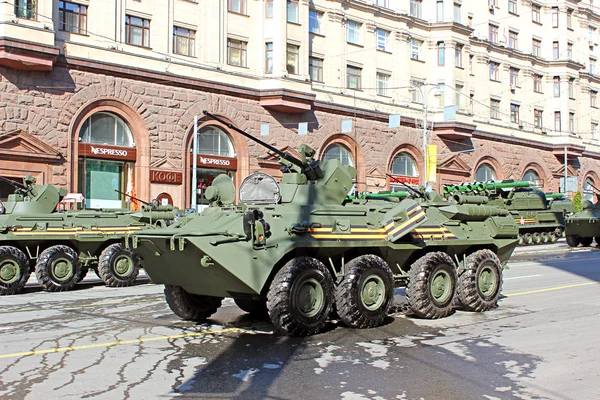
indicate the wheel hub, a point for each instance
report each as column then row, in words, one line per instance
column 9, row 272
column 62, row 269
column 373, row 292
column 310, row 298
column 487, row 281
column 123, row 266
column 441, row 286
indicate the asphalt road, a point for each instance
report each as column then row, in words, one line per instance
column 103, row 343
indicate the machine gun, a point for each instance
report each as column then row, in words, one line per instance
column 22, row 188
column 308, row 165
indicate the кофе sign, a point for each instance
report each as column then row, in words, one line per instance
column 172, row 177
column 107, row 152
column 205, row 161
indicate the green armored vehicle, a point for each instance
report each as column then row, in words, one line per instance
column 540, row 216
column 62, row 246
column 301, row 247
column 584, row 226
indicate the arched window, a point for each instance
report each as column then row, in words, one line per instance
column 485, row 173
column 588, row 190
column 404, row 165
column 531, row 176
column 106, row 128
column 213, row 141
column 336, row 151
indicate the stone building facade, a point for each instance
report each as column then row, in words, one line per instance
column 59, row 89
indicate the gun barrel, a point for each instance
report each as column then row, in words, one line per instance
column 283, row 154
column 134, row 198
column 13, row 183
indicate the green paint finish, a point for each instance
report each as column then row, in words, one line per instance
column 372, row 294
column 9, row 271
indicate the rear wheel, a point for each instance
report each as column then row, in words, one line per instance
column 545, row 237
column 432, row 285
column 573, row 240
column 537, row 238
column 58, row 268
column 480, row 281
column 14, row 270
column 256, row 307
column 553, row 237
column 118, row 266
column 520, row 238
column 528, row 238
column 586, row 241
column 191, row 307
column 365, row 295
column 300, row 297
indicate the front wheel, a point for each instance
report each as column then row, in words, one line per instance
column 189, row 306
column 14, row 270
column 573, row 240
column 300, row 297
column 363, row 298
column 58, row 268
column 480, row 281
column 432, row 286
column 118, row 266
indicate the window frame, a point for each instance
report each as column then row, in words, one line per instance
column 191, row 41
column 572, row 123
column 557, row 121
column 243, row 50
column 536, row 13
column 493, row 33
column 82, row 17
column 144, row 27
column 556, row 86
column 242, row 4
column 416, row 8
column 514, row 113
column 268, row 57
column 538, row 117
column 456, row 14
column 354, row 28
column 594, row 98
column 512, row 7
column 458, row 50
column 28, row 11
column 292, row 50
column 315, row 19
column 494, row 71
column 386, row 37
column 382, row 90
column 537, row 83
column 441, row 54
column 315, row 67
column 536, row 47
column 357, row 74
column 418, row 45
column 514, row 76
column 494, row 109
column 555, row 50
column 555, row 17
column 513, row 40
column 292, row 17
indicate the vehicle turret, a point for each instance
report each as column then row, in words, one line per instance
column 32, row 198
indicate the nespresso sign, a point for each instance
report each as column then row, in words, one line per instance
column 215, row 162
column 107, row 152
column 171, row 177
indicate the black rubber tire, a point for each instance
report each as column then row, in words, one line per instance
column 573, row 240
column 536, row 238
column 350, row 308
column 468, row 292
column 586, row 241
column 82, row 274
column 545, row 237
column 256, row 307
column 191, row 307
column 553, row 237
column 43, row 268
column 282, row 298
column 418, row 289
column 528, row 238
column 17, row 283
column 107, row 265
column 520, row 240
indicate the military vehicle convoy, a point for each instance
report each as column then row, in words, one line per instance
column 64, row 245
column 584, row 226
column 540, row 216
column 302, row 247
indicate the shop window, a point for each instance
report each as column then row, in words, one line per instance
column 485, row 173
column 531, row 176
column 337, row 151
column 213, row 141
column 404, row 165
column 106, row 128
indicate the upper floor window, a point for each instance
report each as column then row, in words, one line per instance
column 314, row 21
column 458, row 55
column 236, row 52
column 592, row 66
column 494, row 109
column 237, row 6
column 382, row 3
column 536, row 12
column 569, row 19
column 441, row 53
column 555, row 51
column 514, row 76
column 26, row 9
column 457, row 96
column 570, row 51
column 293, row 11
column 513, row 42
column 383, row 82
column 512, row 6
column 485, row 173
column 493, row 34
column 415, row 8
column 555, row 17
column 269, row 8
column 537, row 118
column 383, row 38
column 404, row 165
column 293, row 55
column 457, row 13
column 184, row 41
column 439, row 11
column 494, row 71
column 514, row 113
column 594, row 128
column 591, row 34
column 354, row 80
column 415, row 49
column 593, row 98
column 557, row 86
column 557, row 123
column 137, row 31
column 354, row 32
column 72, row 17
column 269, row 58
column 416, row 92
column 572, row 123
column 537, row 83
column 536, row 47
column 106, row 128
column 571, row 88
column 337, row 151
column 315, row 69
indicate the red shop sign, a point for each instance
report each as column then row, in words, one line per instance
column 171, row 177
column 107, row 152
column 209, row 161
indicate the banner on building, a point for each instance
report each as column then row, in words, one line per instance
column 431, row 162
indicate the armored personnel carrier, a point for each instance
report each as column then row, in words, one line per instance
column 62, row 246
column 584, row 226
column 301, row 247
column 540, row 216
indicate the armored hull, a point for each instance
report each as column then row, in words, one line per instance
column 584, row 226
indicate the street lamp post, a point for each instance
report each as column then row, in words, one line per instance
column 425, row 96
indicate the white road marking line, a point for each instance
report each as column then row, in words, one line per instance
column 522, row 277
